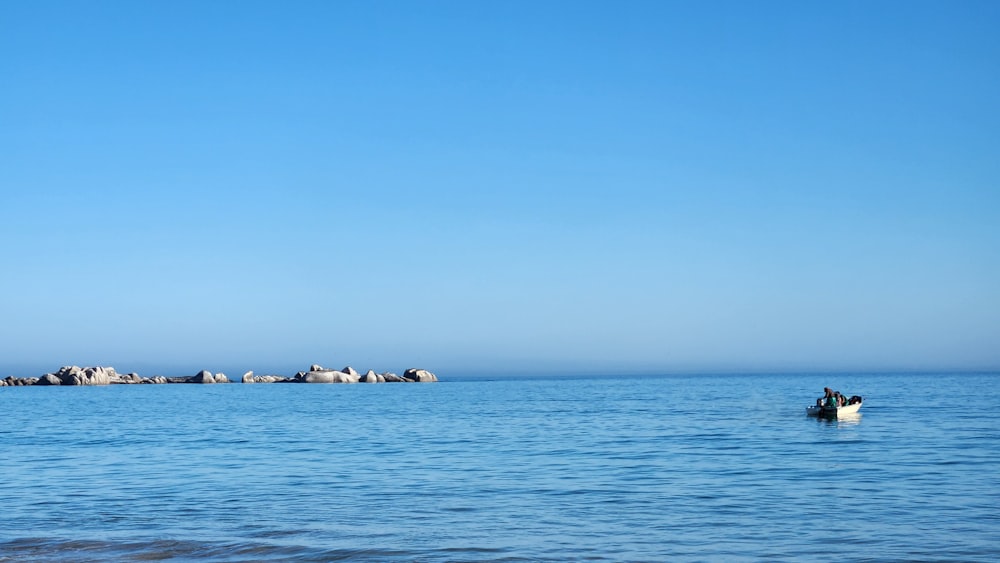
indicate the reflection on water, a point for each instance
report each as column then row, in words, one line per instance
column 852, row 419
column 849, row 419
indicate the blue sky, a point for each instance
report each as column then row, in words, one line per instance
column 499, row 186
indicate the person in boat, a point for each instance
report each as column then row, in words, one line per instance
column 829, row 400
column 822, row 400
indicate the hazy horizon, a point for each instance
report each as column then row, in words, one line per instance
column 490, row 187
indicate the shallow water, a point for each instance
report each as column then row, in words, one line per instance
column 608, row 469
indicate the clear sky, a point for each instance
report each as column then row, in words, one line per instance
column 499, row 186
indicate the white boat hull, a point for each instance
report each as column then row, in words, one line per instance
column 841, row 411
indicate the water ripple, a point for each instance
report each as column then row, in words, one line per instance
column 647, row 469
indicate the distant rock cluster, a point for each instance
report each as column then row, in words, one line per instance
column 320, row 374
column 74, row 375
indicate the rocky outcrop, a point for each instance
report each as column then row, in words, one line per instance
column 126, row 379
column 249, row 377
column 270, row 379
column 263, row 378
column 11, row 381
column 205, row 376
column 419, row 375
column 74, row 375
column 320, row 374
column 49, row 379
column 326, row 376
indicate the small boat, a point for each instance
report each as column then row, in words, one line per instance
column 831, row 412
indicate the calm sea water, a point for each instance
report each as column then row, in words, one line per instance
column 605, row 469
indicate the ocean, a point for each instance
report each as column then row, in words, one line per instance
column 611, row 468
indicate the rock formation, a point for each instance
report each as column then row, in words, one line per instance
column 12, row 381
column 125, row 379
column 419, row 375
column 74, row 375
column 249, row 377
column 326, row 376
column 49, row 379
column 205, row 376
